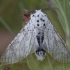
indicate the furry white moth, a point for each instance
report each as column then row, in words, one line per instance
column 39, row 37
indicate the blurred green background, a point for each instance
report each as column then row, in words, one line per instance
column 11, row 23
column 11, row 12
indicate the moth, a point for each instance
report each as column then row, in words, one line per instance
column 38, row 36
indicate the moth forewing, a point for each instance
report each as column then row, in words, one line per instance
column 20, row 47
column 56, row 46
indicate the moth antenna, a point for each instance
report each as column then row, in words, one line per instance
column 32, row 11
column 27, row 13
column 44, row 9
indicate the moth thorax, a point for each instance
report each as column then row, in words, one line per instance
column 40, row 38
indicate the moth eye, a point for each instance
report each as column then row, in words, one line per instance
column 37, row 24
column 37, row 20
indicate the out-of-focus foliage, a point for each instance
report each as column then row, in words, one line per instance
column 11, row 12
column 22, row 65
column 63, row 12
column 48, row 64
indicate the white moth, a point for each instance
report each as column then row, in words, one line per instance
column 39, row 37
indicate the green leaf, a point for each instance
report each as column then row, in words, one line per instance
column 6, row 26
column 47, row 64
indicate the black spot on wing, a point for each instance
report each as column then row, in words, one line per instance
column 42, row 19
column 44, row 24
column 37, row 20
column 37, row 24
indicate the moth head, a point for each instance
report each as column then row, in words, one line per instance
column 27, row 13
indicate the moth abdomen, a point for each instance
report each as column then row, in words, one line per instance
column 40, row 53
column 40, row 50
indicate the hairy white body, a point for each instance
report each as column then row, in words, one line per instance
column 38, row 36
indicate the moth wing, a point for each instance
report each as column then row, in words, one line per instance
column 19, row 48
column 56, row 47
